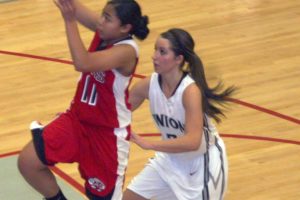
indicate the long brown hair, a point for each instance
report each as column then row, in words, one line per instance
column 183, row 44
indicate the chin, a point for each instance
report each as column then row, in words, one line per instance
column 156, row 69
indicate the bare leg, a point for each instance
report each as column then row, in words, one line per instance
column 130, row 195
column 36, row 173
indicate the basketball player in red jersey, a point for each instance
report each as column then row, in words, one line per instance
column 95, row 131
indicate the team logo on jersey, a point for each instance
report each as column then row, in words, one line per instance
column 99, row 76
column 96, row 184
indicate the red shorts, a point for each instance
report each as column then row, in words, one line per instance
column 102, row 153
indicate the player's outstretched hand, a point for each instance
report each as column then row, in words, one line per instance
column 67, row 9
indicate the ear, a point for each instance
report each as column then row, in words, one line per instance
column 126, row 28
column 179, row 59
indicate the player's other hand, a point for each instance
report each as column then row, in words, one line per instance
column 144, row 144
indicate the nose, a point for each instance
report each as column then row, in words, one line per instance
column 101, row 20
column 154, row 56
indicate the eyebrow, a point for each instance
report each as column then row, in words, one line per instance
column 106, row 14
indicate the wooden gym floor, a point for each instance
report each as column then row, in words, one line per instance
column 253, row 44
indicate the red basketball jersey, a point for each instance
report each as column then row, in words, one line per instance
column 101, row 98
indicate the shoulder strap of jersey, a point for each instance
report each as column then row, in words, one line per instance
column 95, row 42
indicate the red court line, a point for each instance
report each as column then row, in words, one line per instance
column 9, row 154
column 139, row 76
column 35, row 57
column 80, row 188
column 57, row 171
column 250, row 137
column 261, row 109
column 67, row 178
column 279, row 115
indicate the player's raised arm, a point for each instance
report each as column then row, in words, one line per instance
column 86, row 16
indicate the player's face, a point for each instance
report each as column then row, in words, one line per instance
column 109, row 25
column 164, row 58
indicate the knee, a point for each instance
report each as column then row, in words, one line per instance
column 21, row 162
column 28, row 160
column 23, row 159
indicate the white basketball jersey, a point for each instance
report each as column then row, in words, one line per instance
column 186, row 173
column 169, row 116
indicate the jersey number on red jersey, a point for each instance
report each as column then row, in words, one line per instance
column 91, row 98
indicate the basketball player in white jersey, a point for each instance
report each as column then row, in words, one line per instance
column 94, row 132
column 190, row 161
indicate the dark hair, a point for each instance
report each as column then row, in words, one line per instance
column 129, row 12
column 183, row 44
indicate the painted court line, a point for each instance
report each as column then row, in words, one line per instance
column 80, row 188
column 249, row 105
column 57, row 171
column 249, row 137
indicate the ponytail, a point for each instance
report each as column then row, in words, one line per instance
column 183, row 44
column 210, row 96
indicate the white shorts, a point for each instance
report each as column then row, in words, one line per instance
column 209, row 182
